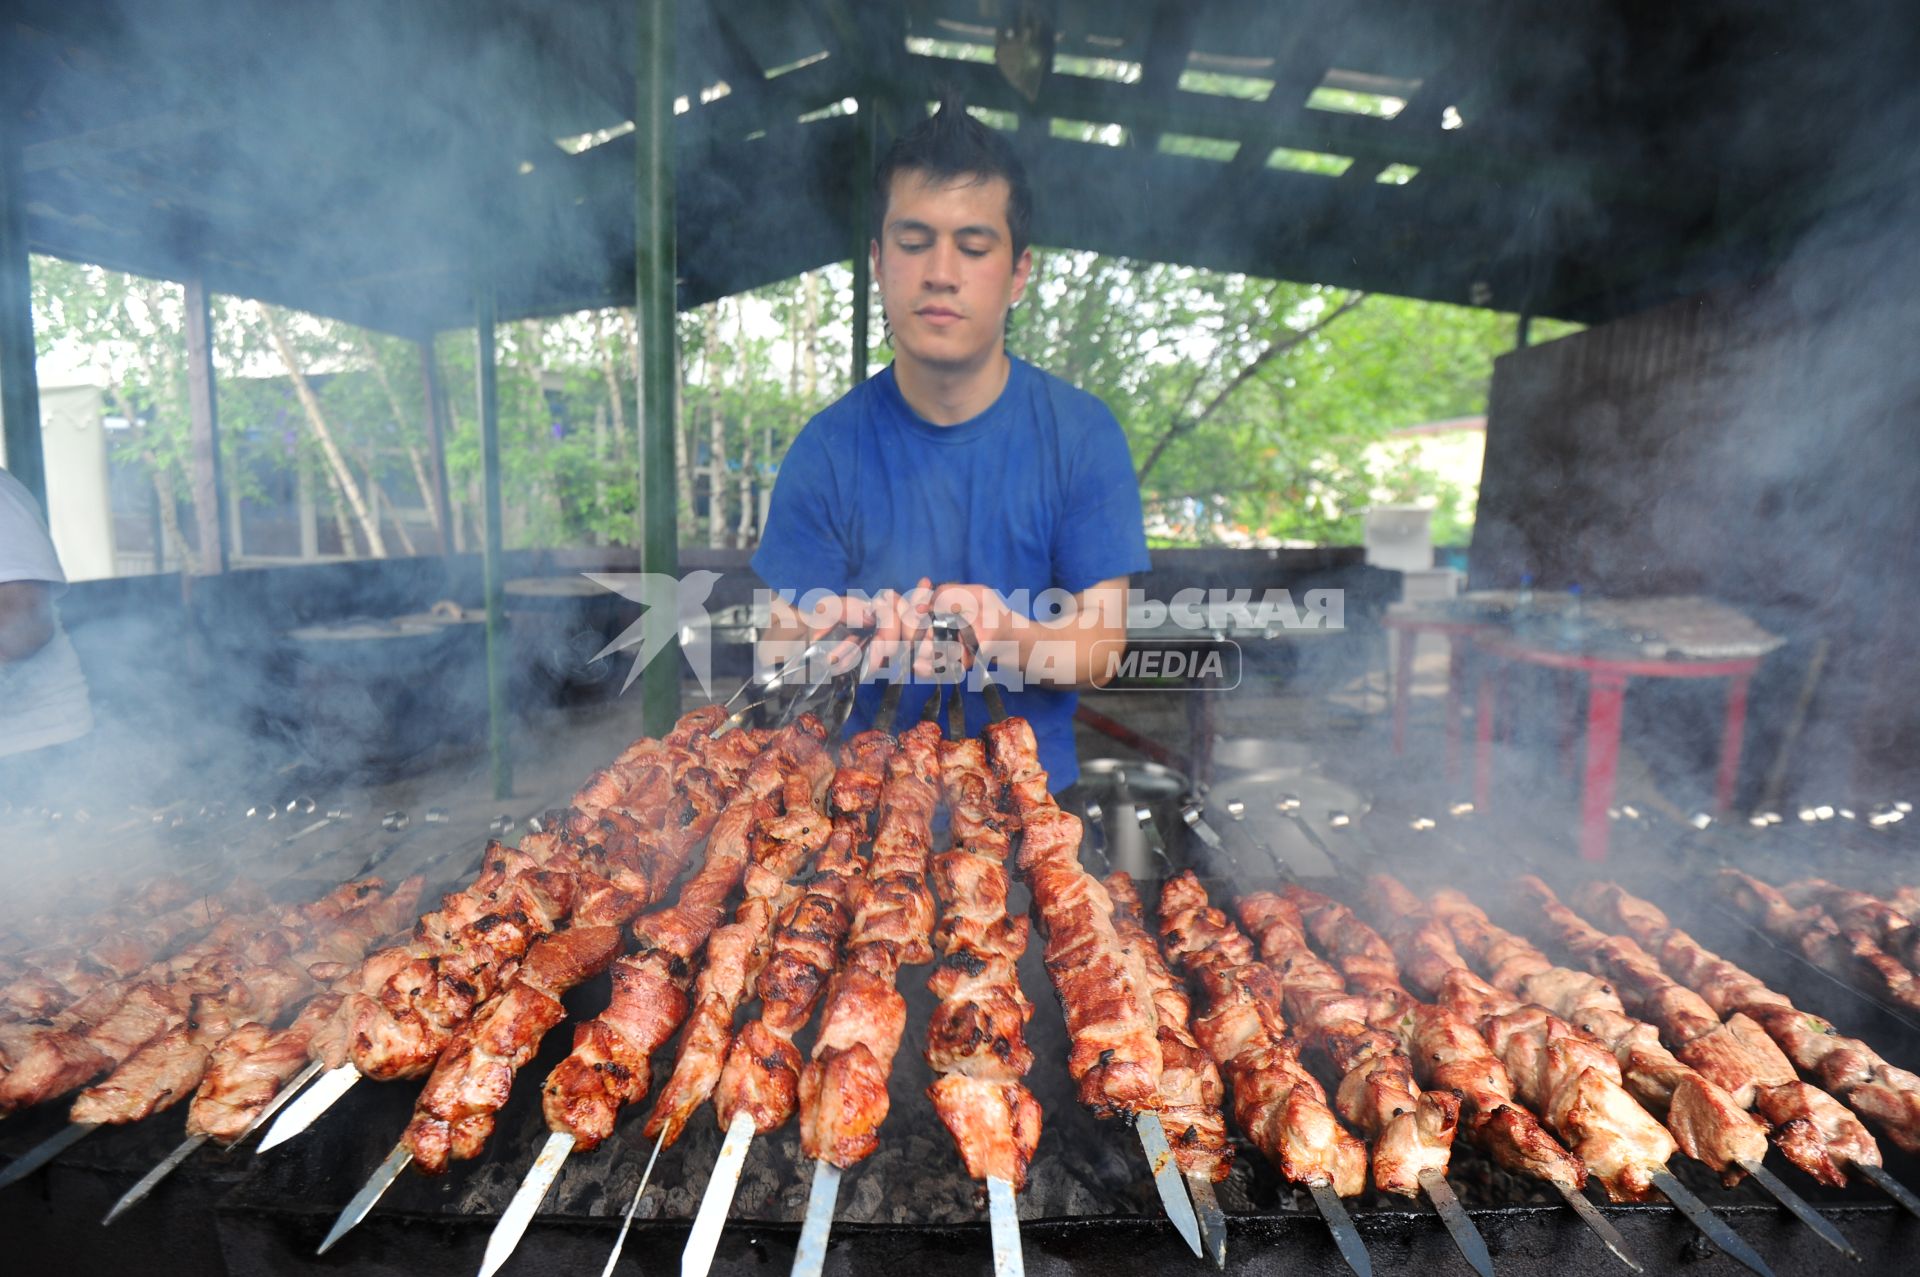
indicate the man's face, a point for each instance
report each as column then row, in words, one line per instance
column 945, row 266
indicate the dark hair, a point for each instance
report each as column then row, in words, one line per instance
column 949, row 144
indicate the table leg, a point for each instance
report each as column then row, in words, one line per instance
column 1404, row 641
column 1456, row 670
column 1731, row 738
column 1564, row 692
column 1606, row 697
column 1485, row 695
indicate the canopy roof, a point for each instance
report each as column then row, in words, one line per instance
column 361, row 158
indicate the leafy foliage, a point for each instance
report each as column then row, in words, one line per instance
column 1250, row 404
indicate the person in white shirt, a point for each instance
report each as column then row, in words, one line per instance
column 43, row 693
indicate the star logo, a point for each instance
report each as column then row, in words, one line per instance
column 681, row 599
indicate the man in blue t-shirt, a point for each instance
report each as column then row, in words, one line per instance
column 958, row 464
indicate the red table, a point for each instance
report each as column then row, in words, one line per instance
column 1607, row 677
column 1407, row 628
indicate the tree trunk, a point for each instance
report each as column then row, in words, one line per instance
column 716, row 453
column 175, row 539
column 810, row 320
column 401, row 417
column 344, row 525
column 310, row 404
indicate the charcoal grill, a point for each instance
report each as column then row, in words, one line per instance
column 909, row 1207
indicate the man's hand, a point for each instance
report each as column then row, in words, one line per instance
column 893, row 618
column 1077, row 648
column 26, row 619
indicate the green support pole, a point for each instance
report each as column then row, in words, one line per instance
column 19, row 381
column 497, row 641
column 654, row 311
column 862, row 239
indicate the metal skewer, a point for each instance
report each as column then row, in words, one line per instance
column 1005, row 1222
column 1345, row 1235
column 1459, row 1226
column 824, row 1193
column 513, row 1223
column 1803, row 1212
column 371, row 1192
column 148, row 1182
column 1602, row 1226
column 697, row 1258
column 1711, row 1226
column 811, row 1257
column 1175, row 1188
column 1878, row 1177
column 626, row 1224
column 45, row 1151
column 314, row 1101
column 133, row 1196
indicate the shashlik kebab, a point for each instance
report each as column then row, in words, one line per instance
column 791, row 947
column 244, row 956
column 111, row 944
column 411, row 998
column 1846, row 1068
column 1570, row 1079
column 157, row 1040
column 736, row 956
column 610, row 1063
column 1813, row 1130
column 1449, row 1054
column 473, row 1086
column 1190, row 1086
column 255, row 1069
column 1100, row 979
column 1411, row 1130
column 1277, row 1103
column 1708, row 1119
column 976, row 1037
column 58, row 1006
column 1847, row 933
column 1890, row 922
column 843, row 1087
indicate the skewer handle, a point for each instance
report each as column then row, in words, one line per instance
column 811, row 1258
column 1007, row 1259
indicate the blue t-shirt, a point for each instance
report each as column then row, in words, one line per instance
column 1035, row 493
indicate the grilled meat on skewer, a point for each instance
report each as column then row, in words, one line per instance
column 1848, row 933
column 470, row 1082
column 1277, row 1103
column 610, row 1063
column 1709, row 1124
column 761, row 1075
column 1412, row 1130
column 1813, row 1130
column 976, row 1038
column 1886, row 1096
column 843, row 1088
column 169, row 1068
column 1102, row 986
column 1570, row 1081
column 1447, row 1052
